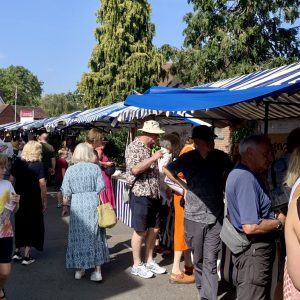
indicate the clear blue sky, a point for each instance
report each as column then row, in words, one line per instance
column 54, row 38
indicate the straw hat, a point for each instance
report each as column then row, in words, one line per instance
column 151, row 126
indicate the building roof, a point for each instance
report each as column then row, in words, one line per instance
column 169, row 79
column 39, row 113
column 3, row 107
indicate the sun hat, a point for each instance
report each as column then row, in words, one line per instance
column 203, row 132
column 151, row 126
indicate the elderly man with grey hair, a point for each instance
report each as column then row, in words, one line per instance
column 249, row 210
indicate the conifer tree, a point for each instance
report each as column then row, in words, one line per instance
column 124, row 58
column 226, row 38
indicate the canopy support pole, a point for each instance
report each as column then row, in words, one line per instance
column 266, row 125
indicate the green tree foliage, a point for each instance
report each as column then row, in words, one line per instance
column 124, row 58
column 115, row 148
column 29, row 88
column 227, row 38
column 59, row 104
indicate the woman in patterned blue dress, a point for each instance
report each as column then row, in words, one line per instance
column 82, row 183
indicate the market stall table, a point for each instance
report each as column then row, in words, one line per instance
column 123, row 209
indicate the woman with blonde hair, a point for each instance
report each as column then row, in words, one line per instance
column 28, row 174
column 82, row 183
column 291, row 286
column 94, row 138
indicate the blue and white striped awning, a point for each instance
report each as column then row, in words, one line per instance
column 3, row 126
column 130, row 113
column 37, row 123
column 14, row 126
column 286, row 74
column 116, row 112
column 94, row 114
column 54, row 122
column 239, row 98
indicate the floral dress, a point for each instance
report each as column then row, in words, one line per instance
column 87, row 246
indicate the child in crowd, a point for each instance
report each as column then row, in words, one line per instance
column 9, row 203
column 60, row 170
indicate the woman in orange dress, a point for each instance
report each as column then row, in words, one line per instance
column 180, row 246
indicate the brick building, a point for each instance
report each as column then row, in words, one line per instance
column 223, row 141
column 7, row 113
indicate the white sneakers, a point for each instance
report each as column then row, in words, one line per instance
column 155, row 268
column 79, row 274
column 95, row 276
column 147, row 270
column 141, row 271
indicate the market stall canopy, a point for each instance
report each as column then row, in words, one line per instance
column 59, row 121
column 13, row 126
column 2, row 126
column 120, row 113
column 239, row 98
column 110, row 115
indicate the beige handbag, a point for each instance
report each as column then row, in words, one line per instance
column 106, row 215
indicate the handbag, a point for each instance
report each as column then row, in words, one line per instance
column 110, row 170
column 128, row 188
column 232, row 238
column 106, row 215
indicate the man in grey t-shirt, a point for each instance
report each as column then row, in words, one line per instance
column 205, row 170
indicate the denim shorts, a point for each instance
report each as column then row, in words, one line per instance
column 6, row 249
column 145, row 213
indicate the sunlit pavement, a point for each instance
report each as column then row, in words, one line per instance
column 48, row 278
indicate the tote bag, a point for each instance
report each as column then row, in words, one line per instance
column 106, row 215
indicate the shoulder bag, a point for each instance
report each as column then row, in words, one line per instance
column 128, row 189
column 110, row 170
column 236, row 242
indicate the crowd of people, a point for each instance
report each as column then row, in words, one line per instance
column 258, row 195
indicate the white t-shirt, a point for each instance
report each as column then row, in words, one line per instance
column 162, row 162
column 6, row 189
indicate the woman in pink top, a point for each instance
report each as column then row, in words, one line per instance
column 60, row 170
column 107, row 195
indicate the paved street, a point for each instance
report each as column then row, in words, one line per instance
column 48, row 278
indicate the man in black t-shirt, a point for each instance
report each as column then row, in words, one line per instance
column 205, row 170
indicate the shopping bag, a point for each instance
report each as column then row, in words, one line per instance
column 106, row 215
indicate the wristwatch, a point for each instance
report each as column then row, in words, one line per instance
column 279, row 226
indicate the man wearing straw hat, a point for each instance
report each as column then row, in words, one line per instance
column 145, row 203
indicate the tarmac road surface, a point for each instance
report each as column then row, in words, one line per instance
column 48, row 279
